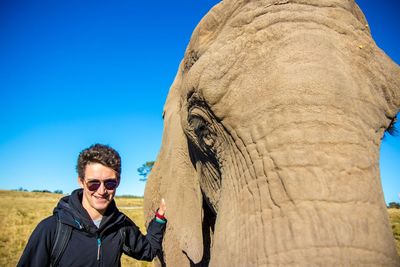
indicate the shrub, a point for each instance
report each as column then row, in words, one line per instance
column 394, row 205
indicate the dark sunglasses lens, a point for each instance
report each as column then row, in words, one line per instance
column 93, row 185
column 110, row 184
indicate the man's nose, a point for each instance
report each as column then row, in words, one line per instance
column 102, row 189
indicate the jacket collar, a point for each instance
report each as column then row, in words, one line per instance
column 70, row 211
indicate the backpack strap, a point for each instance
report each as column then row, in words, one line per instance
column 63, row 234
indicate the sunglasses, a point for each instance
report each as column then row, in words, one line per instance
column 109, row 184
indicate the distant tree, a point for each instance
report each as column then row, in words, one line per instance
column 22, row 189
column 145, row 170
column 41, row 191
column 58, row 191
column 394, row 205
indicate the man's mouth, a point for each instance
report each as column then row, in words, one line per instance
column 101, row 197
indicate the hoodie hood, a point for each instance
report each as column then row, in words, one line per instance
column 70, row 211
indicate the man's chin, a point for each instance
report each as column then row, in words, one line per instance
column 101, row 203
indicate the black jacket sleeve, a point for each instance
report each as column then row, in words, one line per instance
column 37, row 250
column 144, row 247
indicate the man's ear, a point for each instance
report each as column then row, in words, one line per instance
column 80, row 182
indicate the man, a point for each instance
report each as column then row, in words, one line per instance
column 100, row 232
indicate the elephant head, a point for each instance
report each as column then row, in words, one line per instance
column 270, row 152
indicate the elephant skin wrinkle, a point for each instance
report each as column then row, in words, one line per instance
column 272, row 130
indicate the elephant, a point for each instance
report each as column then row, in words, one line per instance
column 272, row 130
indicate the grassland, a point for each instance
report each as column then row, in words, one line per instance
column 394, row 215
column 20, row 212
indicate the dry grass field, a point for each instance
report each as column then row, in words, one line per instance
column 394, row 215
column 20, row 212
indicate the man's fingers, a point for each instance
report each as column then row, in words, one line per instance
column 163, row 207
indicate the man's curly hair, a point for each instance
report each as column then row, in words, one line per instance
column 99, row 153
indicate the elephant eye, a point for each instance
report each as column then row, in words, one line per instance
column 202, row 131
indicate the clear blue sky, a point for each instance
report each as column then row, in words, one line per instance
column 73, row 73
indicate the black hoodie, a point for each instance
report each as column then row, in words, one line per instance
column 89, row 245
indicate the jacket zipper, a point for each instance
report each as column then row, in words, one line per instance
column 98, row 248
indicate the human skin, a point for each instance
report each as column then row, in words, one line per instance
column 96, row 202
column 272, row 129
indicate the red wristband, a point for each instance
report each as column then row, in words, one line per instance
column 159, row 216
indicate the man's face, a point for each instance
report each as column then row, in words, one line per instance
column 99, row 187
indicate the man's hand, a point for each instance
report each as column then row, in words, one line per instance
column 162, row 208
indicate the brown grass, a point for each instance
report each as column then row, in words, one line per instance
column 20, row 212
column 394, row 215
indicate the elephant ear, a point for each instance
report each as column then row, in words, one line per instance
column 174, row 178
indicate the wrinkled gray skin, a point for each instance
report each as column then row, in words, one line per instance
column 270, row 153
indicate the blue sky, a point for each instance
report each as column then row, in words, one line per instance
column 73, row 73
